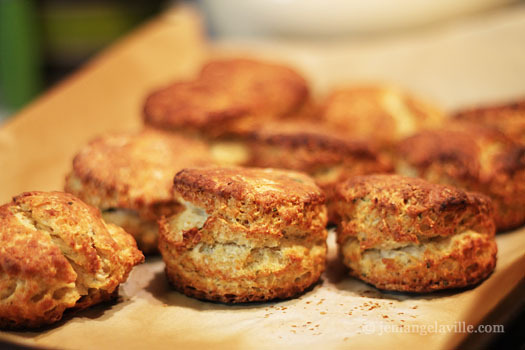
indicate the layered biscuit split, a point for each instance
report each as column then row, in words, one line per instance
column 406, row 234
column 245, row 234
column 57, row 253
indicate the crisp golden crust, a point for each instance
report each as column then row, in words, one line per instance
column 134, row 171
column 194, row 107
column 406, row 234
column 382, row 113
column 508, row 118
column 270, row 89
column 56, row 253
column 473, row 157
column 250, row 195
column 229, row 96
column 245, row 235
column 325, row 154
column 318, row 150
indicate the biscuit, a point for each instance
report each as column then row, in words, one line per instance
column 508, row 118
column 195, row 107
column 406, row 234
column 245, row 234
column 326, row 155
column 128, row 176
column 57, row 253
column 384, row 114
column 229, row 95
column 473, row 157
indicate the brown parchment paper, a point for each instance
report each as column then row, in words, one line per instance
column 475, row 60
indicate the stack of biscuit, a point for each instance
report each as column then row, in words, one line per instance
column 233, row 181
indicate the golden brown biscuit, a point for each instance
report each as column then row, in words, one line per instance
column 245, row 235
column 473, row 157
column 129, row 177
column 270, row 89
column 326, row 155
column 229, row 96
column 382, row 113
column 57, row 253
column 323, row 153
column 195, row 107
column 508, row 118
column 406, row 234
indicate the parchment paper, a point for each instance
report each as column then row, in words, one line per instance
column 457, row 64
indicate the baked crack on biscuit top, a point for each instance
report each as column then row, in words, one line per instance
column 475, row 157
column 406, row 234
column 57, row 253
column 245, row 234
column 128, row 176
column 508, row 118
column 385, row 114
column 229, row 95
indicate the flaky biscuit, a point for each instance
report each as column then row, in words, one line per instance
column 129, row 177
column 57, row 253
column 473, row 157
column 328, row 156
column 383, row 113
column 246, row 234
column 406, row 234
column 508, row 118
column 229, row 96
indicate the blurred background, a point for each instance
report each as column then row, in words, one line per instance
column 42, row 41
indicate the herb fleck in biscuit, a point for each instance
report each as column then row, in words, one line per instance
column 57, row 253
column 473, row 157
column 245, row 234
column 405, row 234
column 129, row 177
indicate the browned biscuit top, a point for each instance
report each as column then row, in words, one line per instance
column 470, row 151
column 268, row 88
column 193, row 105
column 312, row 147
column 410, row 209
column 313, row 135
column 508, row 118
column 383, row 112
column 133, row 170
column 266, row 187
column 227, row 94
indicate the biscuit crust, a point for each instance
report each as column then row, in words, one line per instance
column 382, row 113
column 406, row 234
column 328, row 156
column 57, row 253
column 261, row 234
column 509, row 118
column 474, row 157
column 269, row 88
column 133, row 172
column 229, row 96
